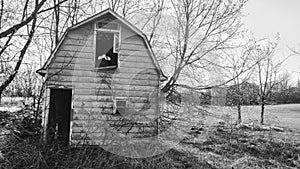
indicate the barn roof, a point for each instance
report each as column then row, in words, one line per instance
column 93, row 18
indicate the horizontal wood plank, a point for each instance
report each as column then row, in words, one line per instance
column 111, row 80
column 89, row 64
column 135, row 53
column 119, row 92
column 100, row 76
column 93, row 72
column 108, row 84
column 110, row 104
column 99, row 98
column 88, row 59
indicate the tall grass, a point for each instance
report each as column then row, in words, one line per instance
column 31, row 153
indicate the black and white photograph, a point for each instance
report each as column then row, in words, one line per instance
column 149, row 84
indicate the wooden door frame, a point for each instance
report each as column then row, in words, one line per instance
column 47, row 109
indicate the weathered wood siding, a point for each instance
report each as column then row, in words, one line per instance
column 136, row 78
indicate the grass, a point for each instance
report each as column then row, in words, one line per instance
column 228, row 146
column 240, row 148
column 286, row 115
column 32, row 154
column 214, row 145
column 223, row 147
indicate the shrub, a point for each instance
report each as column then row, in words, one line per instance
column 21, row 122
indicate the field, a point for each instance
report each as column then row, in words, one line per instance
column 286, row 115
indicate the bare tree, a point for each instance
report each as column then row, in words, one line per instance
column 298, row 85
column 199, row 29
column 282, row 89
column 114, row 4
column 241, row 66
column 153, row 19
column 28, row 21
column 296, row 51
column 267, row 71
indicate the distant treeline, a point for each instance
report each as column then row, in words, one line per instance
column 281, row 94
column 249, row 92
column 248, row 95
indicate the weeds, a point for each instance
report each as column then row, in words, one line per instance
column 31, row 153
column 249, row 149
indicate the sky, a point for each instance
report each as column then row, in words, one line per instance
column 266, row 18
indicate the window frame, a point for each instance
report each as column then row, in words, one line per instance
column 115, row 101
column 96, row 29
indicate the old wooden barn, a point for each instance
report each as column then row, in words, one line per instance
column 102, row 79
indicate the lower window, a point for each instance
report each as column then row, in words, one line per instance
column 120, row 106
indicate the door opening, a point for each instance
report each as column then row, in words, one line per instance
column 58, row 128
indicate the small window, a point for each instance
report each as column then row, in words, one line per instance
column 107, row 45
column 120, row 106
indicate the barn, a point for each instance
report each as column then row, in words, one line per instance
column 102, row 81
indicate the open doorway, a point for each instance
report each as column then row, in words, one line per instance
column 58, row 128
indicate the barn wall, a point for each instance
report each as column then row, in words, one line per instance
column 136, row 79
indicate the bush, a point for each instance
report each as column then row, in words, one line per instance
column 21, row 122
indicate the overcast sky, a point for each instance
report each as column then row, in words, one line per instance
column 267, row 17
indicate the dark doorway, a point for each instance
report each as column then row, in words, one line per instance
column 59, row 116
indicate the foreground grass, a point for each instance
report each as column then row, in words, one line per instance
column 241, row 148
column 31, row 154
column 223, row 148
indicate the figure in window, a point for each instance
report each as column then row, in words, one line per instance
column 105, row 55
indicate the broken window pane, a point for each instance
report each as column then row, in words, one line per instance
column 105, row 55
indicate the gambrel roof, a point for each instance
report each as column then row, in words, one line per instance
column 93, row 18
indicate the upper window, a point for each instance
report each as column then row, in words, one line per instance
column 107, row 45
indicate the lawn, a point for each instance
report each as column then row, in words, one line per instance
column 286, row 115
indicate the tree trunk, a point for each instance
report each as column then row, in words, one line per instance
column 172, row 80
column 239, row 119
column 167, row 87
column 262, row 112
